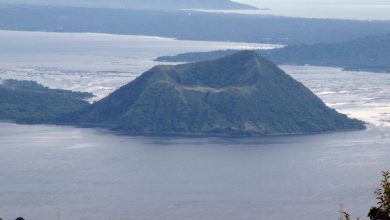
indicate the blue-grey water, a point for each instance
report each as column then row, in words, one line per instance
column 95, row 174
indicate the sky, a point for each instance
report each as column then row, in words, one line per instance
column 347, row 9
column 314, row 2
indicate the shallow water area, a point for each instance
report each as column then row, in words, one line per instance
column 362, row 95
column 96, row 63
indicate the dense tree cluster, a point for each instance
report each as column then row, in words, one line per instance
column 30, row 102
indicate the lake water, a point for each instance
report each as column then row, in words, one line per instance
column 92, row 174
column 95, row 174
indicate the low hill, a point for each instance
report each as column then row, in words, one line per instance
column 371, row 53
column 242, row 94
column 30, row 102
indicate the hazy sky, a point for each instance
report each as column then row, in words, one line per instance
column 353, row 9
column 316, row 2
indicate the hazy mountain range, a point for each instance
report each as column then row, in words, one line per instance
column 187, row 25
column 371, row 53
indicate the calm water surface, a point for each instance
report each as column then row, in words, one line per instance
column 94, row 174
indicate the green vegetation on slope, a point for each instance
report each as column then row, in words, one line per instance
column 30, row 102
column 242, row 94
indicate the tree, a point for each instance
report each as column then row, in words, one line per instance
column 19, row 218
column 382, row 211
column 347, row 216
